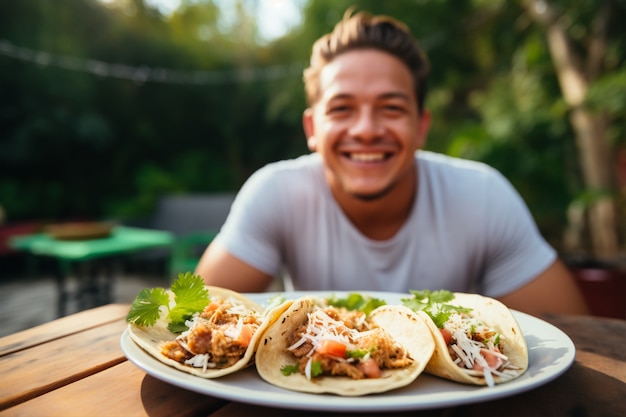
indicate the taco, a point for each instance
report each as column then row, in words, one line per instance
column 219, row 340
column 478, row 341
column 317, row 348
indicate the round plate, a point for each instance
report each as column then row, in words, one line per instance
column 551, row 352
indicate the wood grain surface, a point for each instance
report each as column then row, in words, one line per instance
column 74, row 366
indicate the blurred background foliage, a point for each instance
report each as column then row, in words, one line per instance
column 105, row 106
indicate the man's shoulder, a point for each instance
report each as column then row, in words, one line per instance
column 289, row 174
column 437, row 160
column 304, row 164
column 440, row 165
column 460, row 178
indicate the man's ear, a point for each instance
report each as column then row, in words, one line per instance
column 423, row 128
column 309, row 130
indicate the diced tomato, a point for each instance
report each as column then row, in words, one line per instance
column 332, row 348
column 447, row 336
column 370, row 368
column 493, row 361
column 244, row 336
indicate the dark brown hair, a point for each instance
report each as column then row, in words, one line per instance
column 365, row 31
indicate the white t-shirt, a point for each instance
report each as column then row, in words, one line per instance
column 468, row 231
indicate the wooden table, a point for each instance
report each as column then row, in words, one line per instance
column 74, row 366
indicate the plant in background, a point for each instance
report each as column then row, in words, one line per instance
column 584, row 54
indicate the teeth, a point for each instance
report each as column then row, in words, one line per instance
column 367, row 157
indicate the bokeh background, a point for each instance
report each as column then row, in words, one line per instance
column 108, row 105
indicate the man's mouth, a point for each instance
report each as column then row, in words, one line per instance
column 367, row 156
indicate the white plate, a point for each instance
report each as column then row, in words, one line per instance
column 551, row 353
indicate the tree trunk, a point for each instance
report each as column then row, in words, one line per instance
column 590, row 128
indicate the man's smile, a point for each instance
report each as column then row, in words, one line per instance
column 367, row 156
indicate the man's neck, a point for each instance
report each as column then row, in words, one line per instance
column 381, row 218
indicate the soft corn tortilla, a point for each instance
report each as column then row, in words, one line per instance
column 405, row 326
column 497, row 316
column 151, row 338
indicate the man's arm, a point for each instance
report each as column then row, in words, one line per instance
column 553, row 291
column 220, row 268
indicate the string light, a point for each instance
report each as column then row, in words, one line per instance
column 146, row 73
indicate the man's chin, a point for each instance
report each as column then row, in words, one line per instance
column 371, row 196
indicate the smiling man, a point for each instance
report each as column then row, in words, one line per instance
column 366, row 125
column 368, row 209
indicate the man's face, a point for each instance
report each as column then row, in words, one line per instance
column 366, row 124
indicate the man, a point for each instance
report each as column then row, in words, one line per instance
column 369, row 210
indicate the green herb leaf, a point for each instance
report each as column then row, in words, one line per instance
column 289, row 369
column 355, row 301
column 144, row 310
column 177, row 327
column 439, row 318
column 274, row 301
column 316, row 368
column 190, row 296
column 435, row 304
column 359, row 353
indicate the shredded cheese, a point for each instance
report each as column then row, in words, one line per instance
column 472, row 354
column 200, row 361
column 307, row 369
column 233, row 331
column 322, row 327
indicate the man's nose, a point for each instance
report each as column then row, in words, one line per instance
column 366, row 125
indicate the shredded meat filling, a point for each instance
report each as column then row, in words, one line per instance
column 387, row 353
column 216, row 332
column 370, row 340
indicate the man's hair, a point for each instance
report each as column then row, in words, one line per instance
column 365, row 31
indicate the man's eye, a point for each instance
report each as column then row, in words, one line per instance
column 338, row 110
column 394, row 108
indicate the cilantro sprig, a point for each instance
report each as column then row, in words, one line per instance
column 356, row 301
column 190, row 296
column 316, row 369
column 290, row 369
column 274, row 301
column 435, row 304
column 359, row 353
